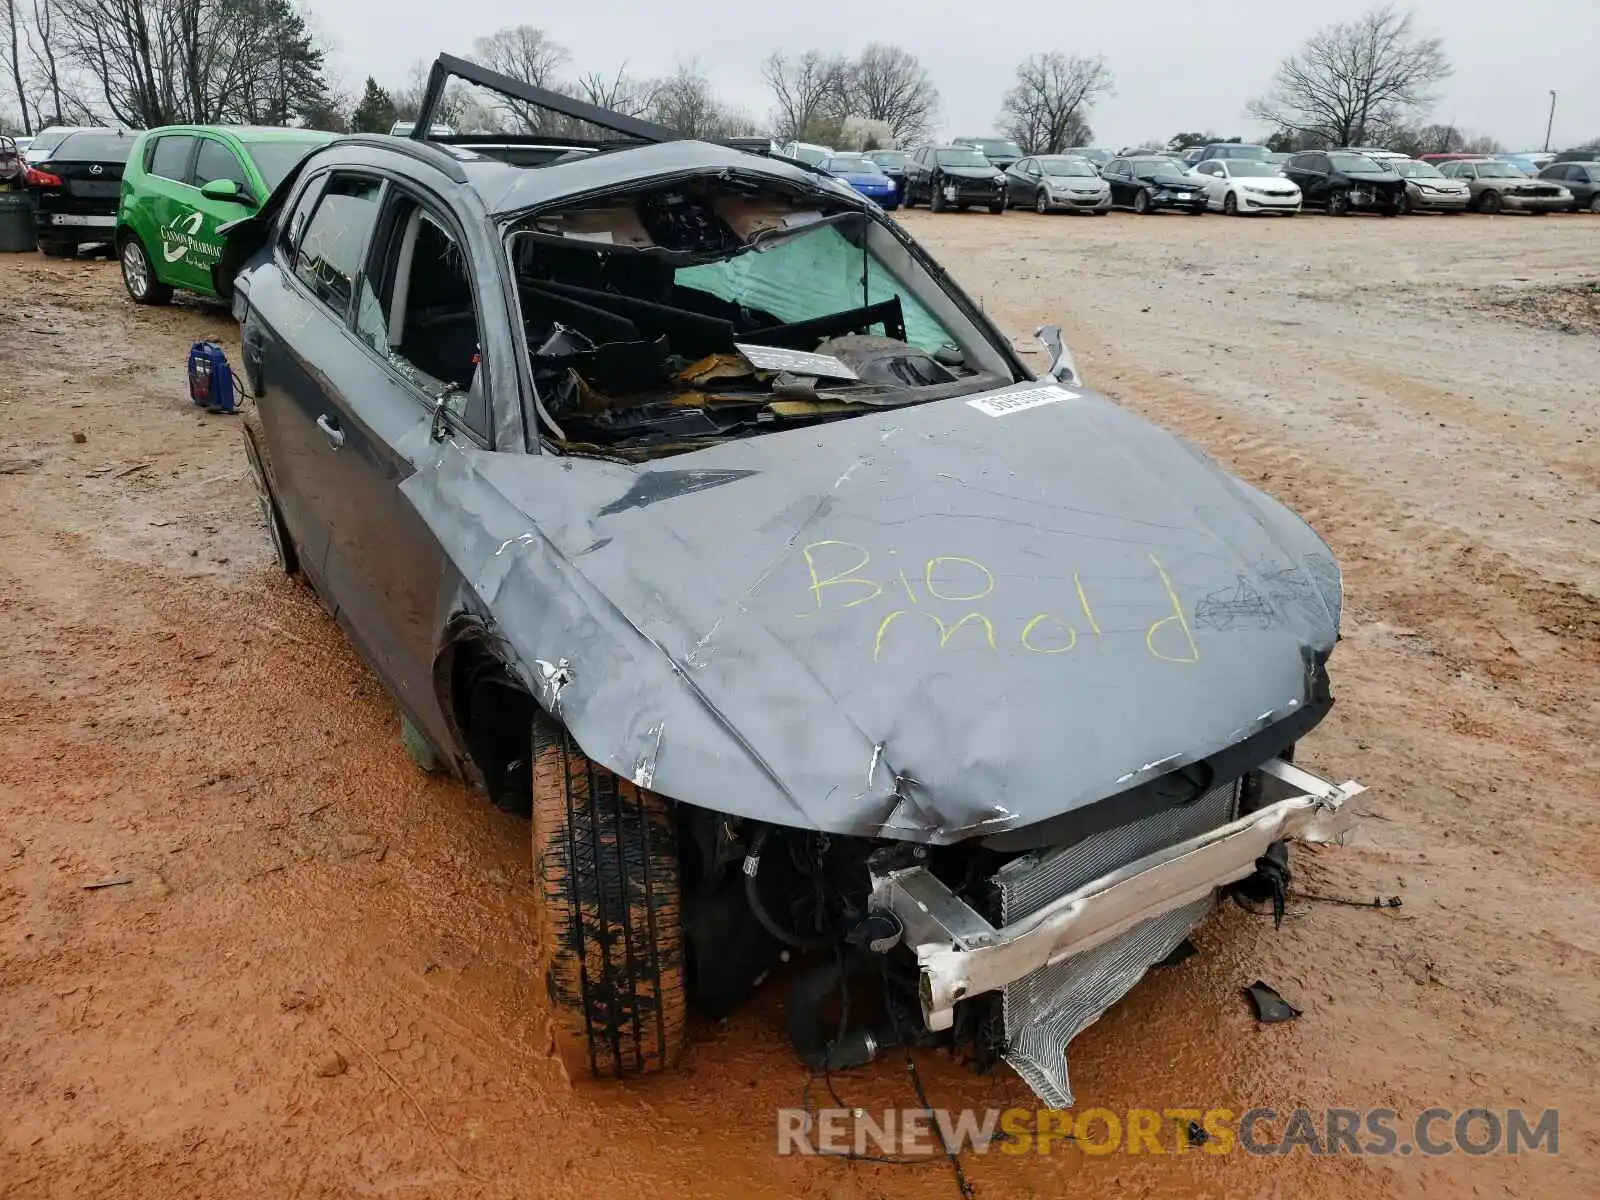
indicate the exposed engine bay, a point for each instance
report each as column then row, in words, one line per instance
column 665, row 320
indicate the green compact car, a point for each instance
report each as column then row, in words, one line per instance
column 182, row 183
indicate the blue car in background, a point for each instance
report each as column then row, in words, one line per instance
column 866, row 176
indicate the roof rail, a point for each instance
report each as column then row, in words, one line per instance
column 447, row 65
column 423, row 152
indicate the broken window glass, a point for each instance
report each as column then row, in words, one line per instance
column 669, row 318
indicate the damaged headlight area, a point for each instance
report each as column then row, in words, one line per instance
column 672, row 317
column 1007, row 955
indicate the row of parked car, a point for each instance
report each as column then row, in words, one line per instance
column 158, row 198
column 1229, row 177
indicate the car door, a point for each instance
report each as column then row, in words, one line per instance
column 1019, row 187
column 1211, row 178
column 917, row 174
column 196, row 218
column 168, row 160
column 417, row 333
column 299, row 355
column 1032, row 176
column 1119, row 176
column 1314, row 174
column 1584, row 183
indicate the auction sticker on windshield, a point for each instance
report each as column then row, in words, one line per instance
column 1009, row 402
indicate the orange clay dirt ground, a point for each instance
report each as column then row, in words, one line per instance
column 318, row 981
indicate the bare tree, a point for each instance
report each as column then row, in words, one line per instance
column 621, row 93
column 52, row 104
column 160, row 62
column 888, row 84
column 529, row 55
column 1047, row 109
column 1355, row 81
column 522, row 52
column 15, row 34
column 805, row 90
column 685, row 102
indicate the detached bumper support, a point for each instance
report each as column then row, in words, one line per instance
column 960, row 954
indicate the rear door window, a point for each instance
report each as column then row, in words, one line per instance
column 329, row 253
column 169, row 157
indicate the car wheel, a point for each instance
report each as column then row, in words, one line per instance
column 137, row 274
column 935, row 198
column 1230, row 205
column 255, row 451
column 1594, row 203
column 605, row 861
column 1405, row 203
column 1339, row 204
column 1141, row 202
column 1041, row 203
column 1489, row 202
column 998, row 207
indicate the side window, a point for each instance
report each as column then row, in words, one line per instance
column 293, row 227
column 328, row 254
column 417, row 308
column 168, row 157
column 216, row 161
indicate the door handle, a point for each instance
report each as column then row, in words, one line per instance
column 329, row 424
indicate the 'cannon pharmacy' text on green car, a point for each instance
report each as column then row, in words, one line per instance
column 181, row 183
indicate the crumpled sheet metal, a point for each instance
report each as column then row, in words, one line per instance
column 928, row 624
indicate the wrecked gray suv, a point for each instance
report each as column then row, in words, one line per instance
column 681, row 500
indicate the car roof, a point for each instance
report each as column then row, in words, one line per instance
column 505, row 188
column 254, row 133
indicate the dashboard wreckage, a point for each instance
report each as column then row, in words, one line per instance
column 682, row 501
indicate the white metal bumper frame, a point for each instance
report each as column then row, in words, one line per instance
column 960, row 954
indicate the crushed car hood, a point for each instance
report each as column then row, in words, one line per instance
column 933, row 623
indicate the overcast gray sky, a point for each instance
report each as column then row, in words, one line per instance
column 1178, row 64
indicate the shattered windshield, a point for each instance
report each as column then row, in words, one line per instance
column 680, row 315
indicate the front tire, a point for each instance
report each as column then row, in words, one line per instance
column 1594, row 203
column 935, row 198
column 1040, row 204
column 1230, row 205
column 138, row 276
column 605, row 855
column 1339, row 204
column 1489, row 202
column 998, row 207
column 1141, row 203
